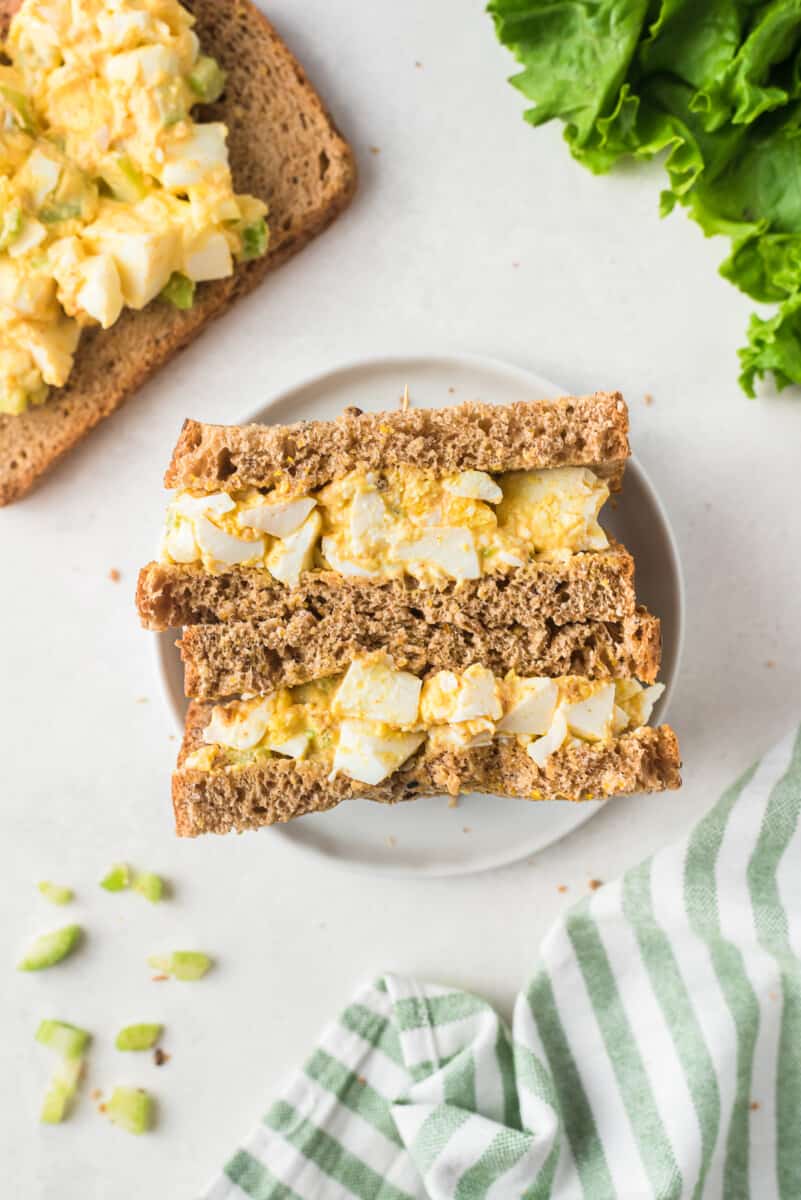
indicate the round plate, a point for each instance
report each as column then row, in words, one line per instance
column 428, row 837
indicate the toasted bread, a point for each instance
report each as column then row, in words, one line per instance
column 285, row 149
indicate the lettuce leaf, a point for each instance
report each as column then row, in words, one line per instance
column 712, row 86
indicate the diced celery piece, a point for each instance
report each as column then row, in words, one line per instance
column 55, row 892
column 254, row 240
column 149, row 885
column 53, row 213
column 179, row 290
column 69, row 1041
column 20, row 107
column 50, row 948
column 11, row 226
column 131, row 1109
column 186, row 965
column 138, row 1037
column 117, row 879
column 61, row 1091
column 124, row 179
column 207, row 79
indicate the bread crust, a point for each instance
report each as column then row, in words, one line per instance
column 285, row 148
column 280, row 789
column 586, row 587
column 241, row 657
column 589, row 431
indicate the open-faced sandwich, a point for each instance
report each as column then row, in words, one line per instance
column 156, row 160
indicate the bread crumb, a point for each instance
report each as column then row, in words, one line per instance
column 770, row 662
column 360, row 1079
column 114, row 575
column 95, row 1094
column 754, row 1105
column 594, row 884
column 375, row 149
column 451, row 391
column 562, row 887
column 142, row 700
column 101, row 1108
column 160, row 1057
column 159, row 978
column 648, row 399
column 391, row 841
column 467, row 829
column 419, row 66
column 453, row 802
column 515, row 264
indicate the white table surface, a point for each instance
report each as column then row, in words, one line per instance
column 471, row 232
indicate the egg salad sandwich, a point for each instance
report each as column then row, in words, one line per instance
column 155, row 163
column 400, row 604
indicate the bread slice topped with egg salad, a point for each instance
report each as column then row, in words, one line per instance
column 403, row 603
column 156, row 159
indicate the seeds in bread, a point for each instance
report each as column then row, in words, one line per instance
column 243, row 657
column 285, row 149
column 279, row 789
column 589, row 431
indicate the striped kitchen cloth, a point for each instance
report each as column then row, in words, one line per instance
column 655, row 1053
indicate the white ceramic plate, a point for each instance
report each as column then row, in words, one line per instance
column 428, row 837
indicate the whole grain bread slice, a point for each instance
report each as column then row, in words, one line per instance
column 279, row 789
column 230, row 659
column 284, row 148
column 590, row 431
column 585, row 587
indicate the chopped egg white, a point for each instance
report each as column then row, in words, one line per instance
column 592, row 718
column 370, row 757
column 475, row 485
column 241, row 727
column 219, row 547
column 543, row 747
column 292, row 555
column 531, row 707
column 373, row 690
column 278, row 518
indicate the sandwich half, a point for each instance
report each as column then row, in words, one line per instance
column 284, row 149
column 385, row 735
column 398, row 604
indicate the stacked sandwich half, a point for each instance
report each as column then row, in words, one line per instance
column 393, row 605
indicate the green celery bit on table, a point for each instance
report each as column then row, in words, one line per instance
column 149, row 885
column 61, row 1091
column 69, row 1041
column 138, row 1037
column 131, row 1109
column 50, row 948
column 55, row 892
column 117, row 879
column 186, row 965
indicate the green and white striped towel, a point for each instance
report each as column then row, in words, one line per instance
column 655, row 1053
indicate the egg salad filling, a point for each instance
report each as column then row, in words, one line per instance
column 110, row 192
column 400, row 521
column 369, row 721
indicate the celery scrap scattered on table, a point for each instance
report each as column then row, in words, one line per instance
column 131, row 1109
column 117, row 879
column 149, row 885
column 716, row 89
column 55, row 892
column 70, row 1043
column 186, row 965
column 138, row 1037
column 50, row 948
